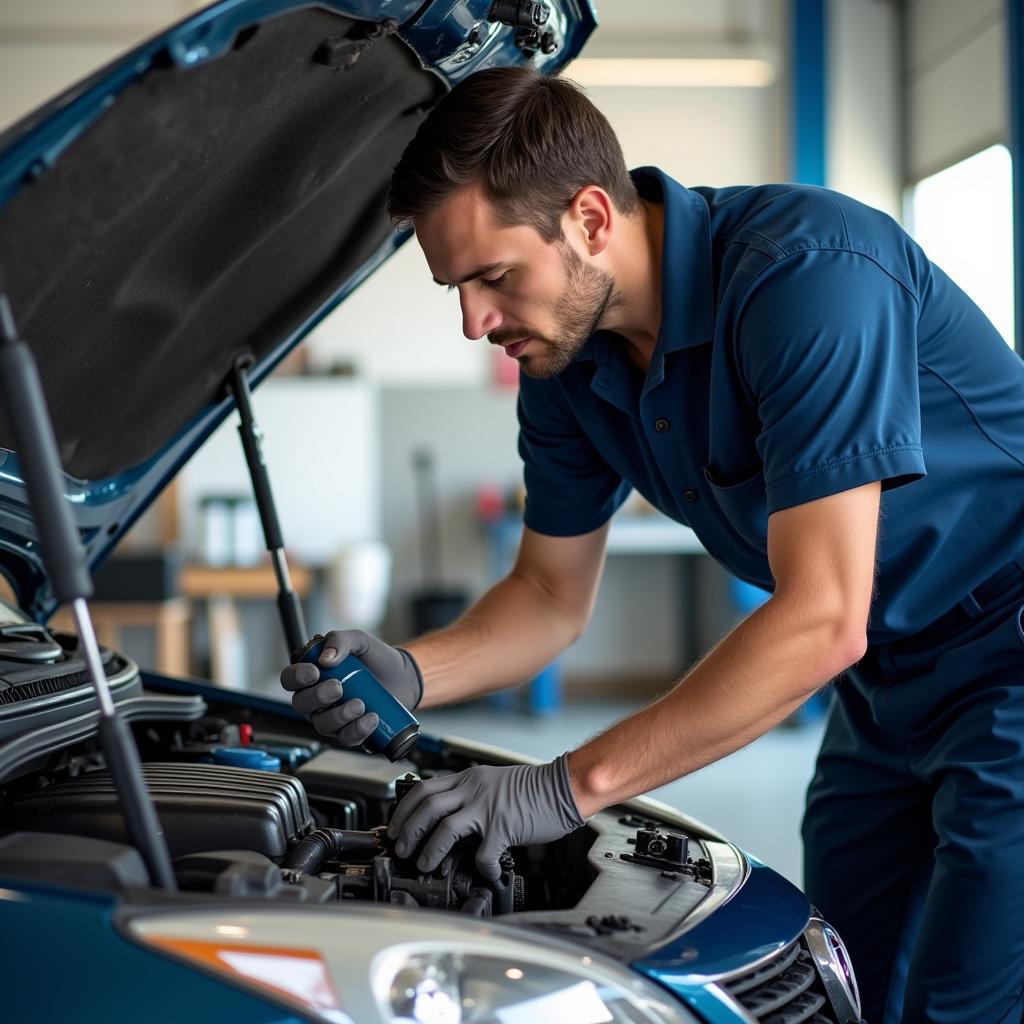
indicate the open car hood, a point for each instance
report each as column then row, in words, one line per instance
column 210, row 195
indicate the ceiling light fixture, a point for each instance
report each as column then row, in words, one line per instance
column 672, row 72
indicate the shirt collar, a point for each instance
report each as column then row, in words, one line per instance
column 687, row 295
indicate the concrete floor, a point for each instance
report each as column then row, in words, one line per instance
column 754, row 797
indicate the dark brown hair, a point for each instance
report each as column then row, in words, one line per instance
column 530, row 141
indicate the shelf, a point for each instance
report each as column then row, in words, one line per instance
column 203, row 581
column 629, row 535
column 651, row 535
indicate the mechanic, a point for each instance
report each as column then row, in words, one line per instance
column 782, row 369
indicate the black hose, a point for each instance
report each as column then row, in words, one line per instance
column 477, row 903
column 329, row 844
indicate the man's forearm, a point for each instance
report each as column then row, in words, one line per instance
column 506, row 637
column 763, row 670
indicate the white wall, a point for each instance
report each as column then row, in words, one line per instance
column 400, row 328
column 46, row 46
column 321, row 442
column 707, row 136
column 864, row 122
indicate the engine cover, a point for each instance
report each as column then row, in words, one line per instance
column 201, row 807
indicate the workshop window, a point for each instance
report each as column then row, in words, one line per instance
column 963, row 219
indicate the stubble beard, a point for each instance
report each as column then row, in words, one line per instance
column 589, row 295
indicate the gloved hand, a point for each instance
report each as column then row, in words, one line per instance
column 507, row 806
column 393, row 666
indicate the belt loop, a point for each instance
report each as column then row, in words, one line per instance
column 970, row 605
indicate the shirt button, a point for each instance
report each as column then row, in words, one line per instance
column 690, row 495
column 661, row 425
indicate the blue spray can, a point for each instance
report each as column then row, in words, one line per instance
column 397, row 731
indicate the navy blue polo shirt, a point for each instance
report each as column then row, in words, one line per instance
column 807, row 346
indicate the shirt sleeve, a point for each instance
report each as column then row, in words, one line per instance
column 570, row 489
column 827, row 343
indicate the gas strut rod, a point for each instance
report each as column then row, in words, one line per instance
column 64, row 559
column 252, row 444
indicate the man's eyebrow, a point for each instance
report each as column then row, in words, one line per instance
column 479, row 272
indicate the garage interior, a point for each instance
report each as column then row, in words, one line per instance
column 903, row 104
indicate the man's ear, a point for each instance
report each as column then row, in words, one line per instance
column 590, row 217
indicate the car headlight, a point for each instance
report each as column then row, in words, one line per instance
column 392, row 967
column 455, row 986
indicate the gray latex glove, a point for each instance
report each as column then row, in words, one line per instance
column 507, row 806
column 394, row 667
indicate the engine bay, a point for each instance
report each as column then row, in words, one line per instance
column 254, row 807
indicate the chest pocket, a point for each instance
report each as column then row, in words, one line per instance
column 743, row 504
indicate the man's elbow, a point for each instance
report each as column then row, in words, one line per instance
column 576, row 626
column 845, row 644
column 834, row 635
column 568, row 611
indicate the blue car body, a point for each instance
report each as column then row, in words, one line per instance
column 105, row 972
column 77, row 930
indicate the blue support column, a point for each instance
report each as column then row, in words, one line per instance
column 1015, row 40
column 809, row 90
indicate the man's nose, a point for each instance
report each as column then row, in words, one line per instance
column 479, row 316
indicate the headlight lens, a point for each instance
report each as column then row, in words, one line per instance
column 384, row 966
column 452, row 987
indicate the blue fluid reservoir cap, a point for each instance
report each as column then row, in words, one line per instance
column 290, row 756
column 246, row 757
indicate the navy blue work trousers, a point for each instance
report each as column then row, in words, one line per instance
column 914, row 827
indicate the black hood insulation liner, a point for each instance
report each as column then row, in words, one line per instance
column 207, row 214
